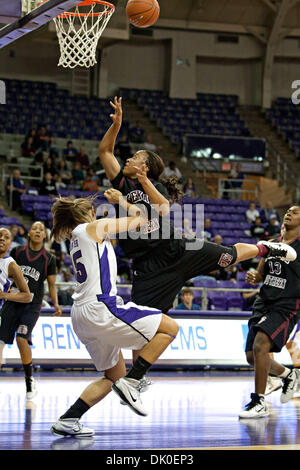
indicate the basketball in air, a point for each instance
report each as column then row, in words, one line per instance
column 142, row 13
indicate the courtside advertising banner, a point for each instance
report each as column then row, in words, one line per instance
column 199, row 341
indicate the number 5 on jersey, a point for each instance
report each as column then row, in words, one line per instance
column 80, row 274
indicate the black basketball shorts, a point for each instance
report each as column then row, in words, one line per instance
column 18, row 318
column 158, row 280
column 277, row 319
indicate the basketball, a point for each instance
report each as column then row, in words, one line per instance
column 142, row 13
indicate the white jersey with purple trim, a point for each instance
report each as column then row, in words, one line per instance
column 95, row 266
column 5, row 280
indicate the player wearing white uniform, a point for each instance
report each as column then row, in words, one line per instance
column 99, row 317
column 10, row 272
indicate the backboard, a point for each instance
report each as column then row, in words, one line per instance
column 20, row 17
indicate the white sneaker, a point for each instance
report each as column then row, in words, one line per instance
column 128, row 391
column 273, row 384
column 289, row 386
column 280, row 250
column 143, row 387
column 144, row 384
column 256, row 408
column 71, row 427
column 31, row 388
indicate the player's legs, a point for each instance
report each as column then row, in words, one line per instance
column 27, row 322
column 68, row 424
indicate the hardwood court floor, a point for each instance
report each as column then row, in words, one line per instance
column 186, row 411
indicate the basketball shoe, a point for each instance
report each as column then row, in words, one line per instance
column 31, row 389
column 279, row 250
column 128, row 391
column 71, row 427
column 256, row 408
column 143, row 387
column 289, row 385
column 273, row 384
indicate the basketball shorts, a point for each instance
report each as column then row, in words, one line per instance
column 105, row 327
column 277, row 319
column 158, row 279
column 18, row 318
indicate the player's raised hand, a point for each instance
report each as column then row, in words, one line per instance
column 117, row 106
column 141, row 172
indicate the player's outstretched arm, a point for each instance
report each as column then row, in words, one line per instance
column 102, row 229
column 107, row 144
column 23, row 295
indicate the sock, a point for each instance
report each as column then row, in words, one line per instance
column 139, row 369
column 262, row 250
column 285, row 373
column 261, row 395
column 76, row 410
column 28, row 369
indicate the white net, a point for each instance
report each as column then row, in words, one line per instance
column 79, row 31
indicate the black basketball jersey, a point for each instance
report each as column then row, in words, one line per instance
column 281, row 279
column 158, row 234
column 36, row 266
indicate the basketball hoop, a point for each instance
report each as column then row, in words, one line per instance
column 78, row 32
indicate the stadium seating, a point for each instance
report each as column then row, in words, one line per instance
column 209, row 114
column 285, row 117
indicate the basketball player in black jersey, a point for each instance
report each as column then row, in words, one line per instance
column 37, row 265
column 276, row 312
column 162, row 264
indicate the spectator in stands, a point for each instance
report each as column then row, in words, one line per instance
column 123, row 149
column 273, row 227
column 249, row 297
column 47, row 187
column 49, row 167
column 236, row 174
column 27, row 148
column 14, row 230
column 137, row 133
column 89, row 184
column 83, row 158
column 187, row 231
column 172, row 170
column 22, row 235
column 187, row 297
column 64, row 172
column 218, row 239
column 208, row 231
column 70, row 152
column 269, row 211
column 59, row 184
column 43, row 140
column 189, row 188
column 252, row 213
column 149, row 145
column 15, row 187
column 65, row 292
column 77, row 175
column 257, row 230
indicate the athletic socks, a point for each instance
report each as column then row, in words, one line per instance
column 76, row 410
column 139, row 369
column 28, row 369
column 262, row 250
column 285, row 373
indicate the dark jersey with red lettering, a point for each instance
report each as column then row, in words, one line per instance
column 36, row 266
column 158, row 234
column 281, row 278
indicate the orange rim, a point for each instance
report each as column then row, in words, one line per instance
column 66, row 14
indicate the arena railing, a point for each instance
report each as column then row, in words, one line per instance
column 205, row 290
